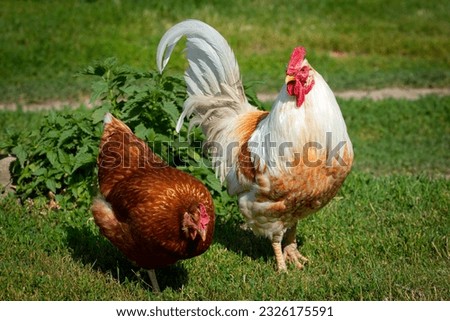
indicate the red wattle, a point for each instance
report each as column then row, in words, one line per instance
column 299, row 87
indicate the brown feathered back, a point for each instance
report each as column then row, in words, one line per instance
column 121, row 153
column 148, row 209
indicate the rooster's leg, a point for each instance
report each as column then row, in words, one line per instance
column 276, row 244
column 290, row 251
column 152, row 276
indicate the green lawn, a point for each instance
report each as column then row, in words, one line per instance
column 361, row 44
column 384, row 237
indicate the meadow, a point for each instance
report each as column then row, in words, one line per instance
column 367, row 44
column 384, row 237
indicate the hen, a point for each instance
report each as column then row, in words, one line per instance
column 283, row 165
column 153, row 213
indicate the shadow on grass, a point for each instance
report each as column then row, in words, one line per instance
column 244, row 242
column 98, row 252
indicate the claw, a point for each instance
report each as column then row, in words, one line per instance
column 292, row 255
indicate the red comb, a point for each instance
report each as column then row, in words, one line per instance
column 296, row 60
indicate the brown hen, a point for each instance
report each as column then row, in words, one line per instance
column 154, row 214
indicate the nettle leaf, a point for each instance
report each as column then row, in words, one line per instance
column 20, row 153
column 57, row 174
column 81, row 159
column 214, row 183
column 63, row 157
column 194, row 155
column 61, row 120
column 51, row 117
column 85, row 127
column 130, row 90
column 53, row 133
column 162, row 138
column 99, row 89
column 52, row 157
column 51, row 184
column 151, row 135
column 172, row 111
column 42, row 171
column 99, row 113
column 65, row 135
column 141, row 131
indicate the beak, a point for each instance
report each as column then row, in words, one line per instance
column 202, row 234
column 288, row 79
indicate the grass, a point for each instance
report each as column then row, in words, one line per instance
column 398, row 136
column 365, row 44
column 384, row 237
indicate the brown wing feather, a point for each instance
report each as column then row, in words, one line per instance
column 247, row 125
column 121, row 153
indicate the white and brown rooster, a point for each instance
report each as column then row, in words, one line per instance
column 283, row 165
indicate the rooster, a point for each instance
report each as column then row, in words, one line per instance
column 153, row 213
column 282, row 165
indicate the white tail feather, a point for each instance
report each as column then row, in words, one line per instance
column 213, row 72
column 207, row 51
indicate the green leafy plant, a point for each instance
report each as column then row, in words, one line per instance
column 61, row 155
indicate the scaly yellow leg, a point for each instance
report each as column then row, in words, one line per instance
column 276, row 244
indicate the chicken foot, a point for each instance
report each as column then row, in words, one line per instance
column 290, row 250
column 155, row 285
